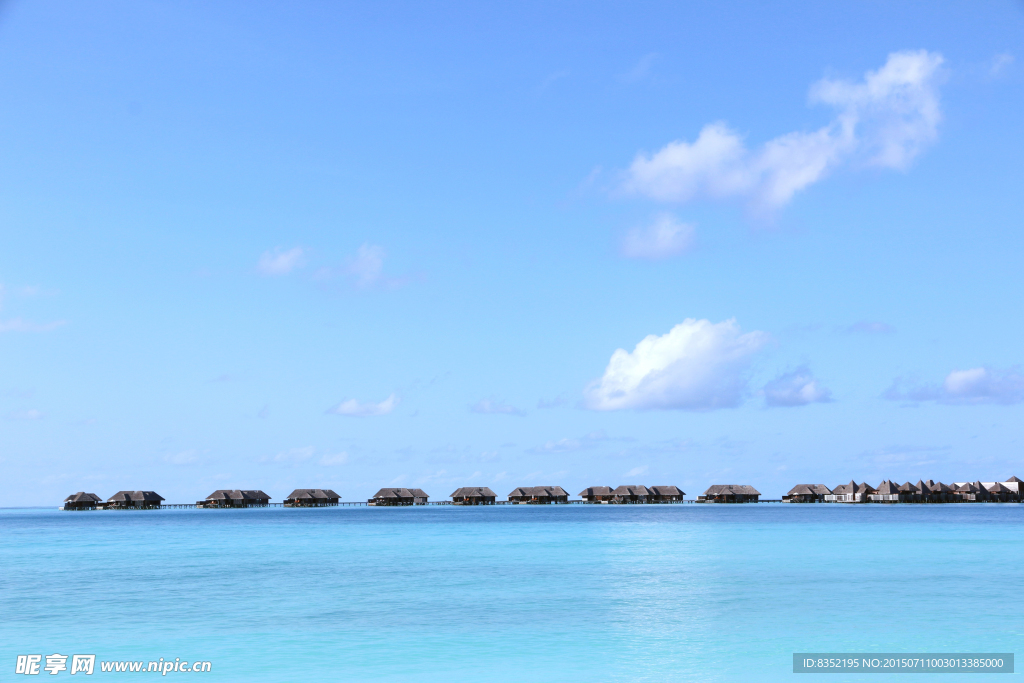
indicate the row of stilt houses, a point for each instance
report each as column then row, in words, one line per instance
column 1009, row 491
column 467, row 495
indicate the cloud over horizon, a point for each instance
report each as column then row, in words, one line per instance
column 795, row 388
column 354, row 408
column 488, row 406
column 278, row 262
column 975, row 386
column 885, row 120
column 698, row 365
column 664, row 238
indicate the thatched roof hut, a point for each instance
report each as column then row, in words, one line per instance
column 807, row 493
column 473, row 495
column 850, row 493
column 237, row 498
column 730, row 493
column 665, row 494
column 135, row 500
column 81, row 501
column 311, row 498
column 631, row 494
column 596, row 494
column 399, row 496
column 538, row 495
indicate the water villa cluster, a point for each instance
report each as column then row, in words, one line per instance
column 1009, row 491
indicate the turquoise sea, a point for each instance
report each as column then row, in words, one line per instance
column 511, row 593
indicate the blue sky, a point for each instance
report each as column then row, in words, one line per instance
column 278, row 246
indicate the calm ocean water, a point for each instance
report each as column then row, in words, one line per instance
column 606, row 593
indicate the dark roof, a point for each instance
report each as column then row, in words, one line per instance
column 538, row 491
column 313, row 494
column 237, row 494
column 400, row 493
column 910, row 488
column 1015, row 479
column 82, row 497
column 635, row 490
column 887, row 488
column 809, row 490
column 731, row 490
column 999, row 488
column 667, row 491
column 852, row 488
column 595, row 491
column 125, row 496
column 473, row 492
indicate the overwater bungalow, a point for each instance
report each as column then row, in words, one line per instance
column 730, row 493
column 999, row 492
column 631, row 494
column 399, row 496
column 539, row 495
column 234, row 498
column 936, row 492
column 596, row 494
column 910, row 493
column 1008, row 491
column 807, row 493
column 133, row 500
column 473, row 495
column 887, row 492
column 666, row 494
column 850, row 493
column 81, row 501
column 311, row 498
column 971, row 492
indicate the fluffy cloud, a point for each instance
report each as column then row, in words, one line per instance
column 697, row 365
column 489, row 406
column 354, row 408
column 279, row 262
column 796, row 388
column 964, row 387
column 367, row 265
column 887, row 119
column 663, row 238
column 334, row 459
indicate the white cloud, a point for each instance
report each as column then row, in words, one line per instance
column 334, row 459
column 796, row 388
column 1000, row 62
column 354, row 408
column 663, row 238
column 279, row 262
column 964, row 387
column 698, row 365
column 888, row 118
column 637, row 471
column 641, row 70
column 489, row 406
column 590, row 440
column 556, row 402
column 367, row 265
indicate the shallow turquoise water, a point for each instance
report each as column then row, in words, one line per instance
column 681, row 592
